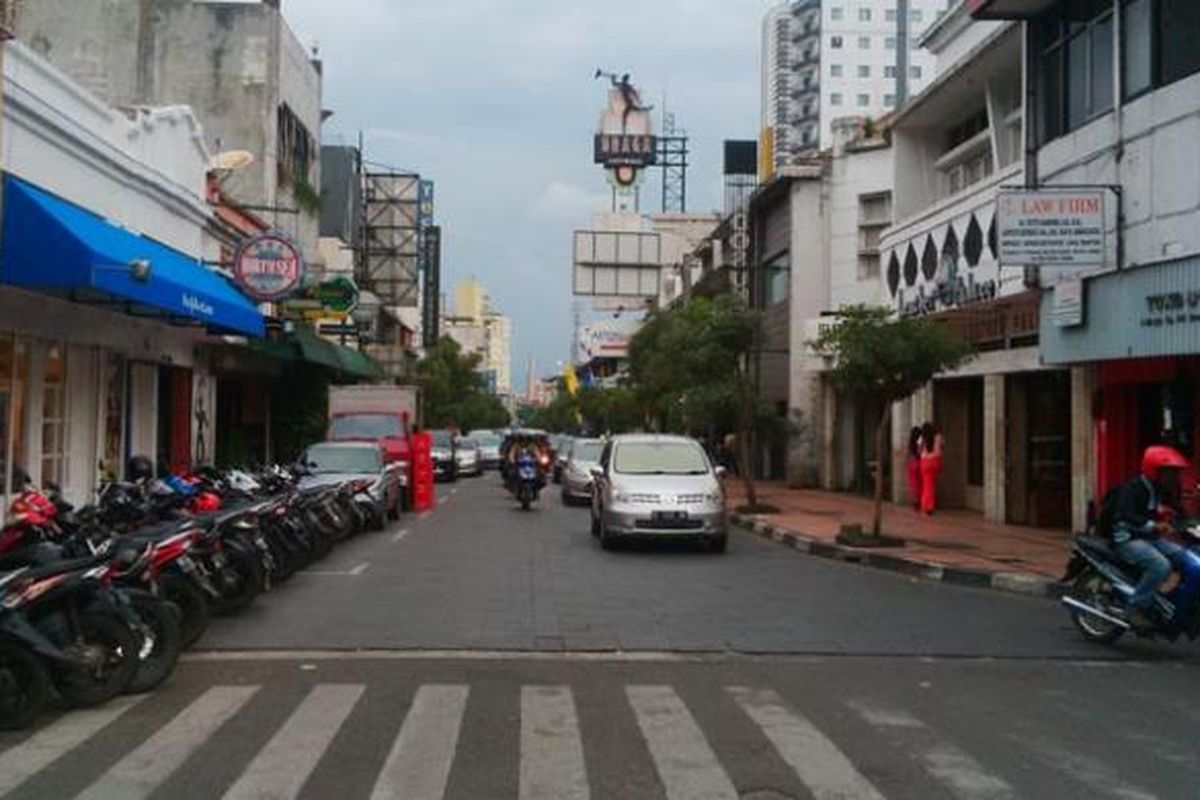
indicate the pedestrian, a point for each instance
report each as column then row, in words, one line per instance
column 932, row 446
column 914, row 467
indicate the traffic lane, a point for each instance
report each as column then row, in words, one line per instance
column 481, row 573
column 906, row 727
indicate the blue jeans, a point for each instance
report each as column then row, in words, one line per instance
column 1154, row 559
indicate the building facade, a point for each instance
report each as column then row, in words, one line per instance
column 824, row 59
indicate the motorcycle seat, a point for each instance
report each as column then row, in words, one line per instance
column 59, row 567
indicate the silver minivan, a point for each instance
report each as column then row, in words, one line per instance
column 649, row 485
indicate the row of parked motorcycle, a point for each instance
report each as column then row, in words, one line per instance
column 101, row 600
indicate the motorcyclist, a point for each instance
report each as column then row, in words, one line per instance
column 1138, row 533
column 523, row 446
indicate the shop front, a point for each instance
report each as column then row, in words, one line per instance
column 1136, row 342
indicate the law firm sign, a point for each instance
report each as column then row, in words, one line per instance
column 1051, row 227
column 269, row 266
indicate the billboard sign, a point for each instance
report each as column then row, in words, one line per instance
column 1052, row 227
column 269, row 266
column 625, row 143
column 607, row 339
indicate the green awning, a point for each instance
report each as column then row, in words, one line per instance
column 316, row 350
column 359, row 364
column 284, row 351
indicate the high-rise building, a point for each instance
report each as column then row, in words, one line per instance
column 479, row 328
column 824, row 59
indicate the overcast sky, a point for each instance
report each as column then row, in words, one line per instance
column 494, row 100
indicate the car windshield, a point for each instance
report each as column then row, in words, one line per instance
column 442, row 438
column 330, row 459
column 660, row 458
column 586, row 451
column 365, row 426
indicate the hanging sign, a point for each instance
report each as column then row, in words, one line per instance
column 339, row 294
column 269, row 266
column 1048, row 227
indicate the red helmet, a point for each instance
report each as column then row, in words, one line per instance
column 1159, row 457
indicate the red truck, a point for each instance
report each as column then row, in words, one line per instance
column 383, row 414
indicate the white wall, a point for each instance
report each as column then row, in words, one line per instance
column 853, row 174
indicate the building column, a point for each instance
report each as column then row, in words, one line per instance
column 828, row 436
column 1083, row 445
column 995, row 450
column 902, row 423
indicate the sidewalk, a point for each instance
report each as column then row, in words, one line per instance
column 954, row 546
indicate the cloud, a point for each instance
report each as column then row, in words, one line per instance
column 567, row 202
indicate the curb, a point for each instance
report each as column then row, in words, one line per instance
column 1022, row 583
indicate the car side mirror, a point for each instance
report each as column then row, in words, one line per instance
column 720, row 472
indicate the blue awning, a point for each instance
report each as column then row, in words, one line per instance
column 51, row 245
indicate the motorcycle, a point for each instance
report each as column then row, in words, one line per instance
column 1101, row 583
column 528, row 481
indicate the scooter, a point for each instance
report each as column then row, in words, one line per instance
column 1101, row 583
column 528, row 482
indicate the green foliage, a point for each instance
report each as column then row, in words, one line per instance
column 873, row 353
column 307, row 198
column 453, row 390
column 558, row 417
column 610, row 410
column 686, row 363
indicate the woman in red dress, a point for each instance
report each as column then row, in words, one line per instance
column 914, row 467
column 931, row 466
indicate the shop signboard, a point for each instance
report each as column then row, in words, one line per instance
column 1066, row 303
column 269, row 266
column 1052, row 227
column 339, row 294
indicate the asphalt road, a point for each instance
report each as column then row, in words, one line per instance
column 481, row 652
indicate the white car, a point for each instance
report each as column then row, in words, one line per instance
column 466, row 457
column 583, row 456
column 658, row 486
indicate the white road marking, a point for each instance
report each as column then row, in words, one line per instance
column 823, row 768
column 1103, row 779
column 141, row 771
column 959, row 771
column 346, row 573
column 20, row 763
column 284, row 764
column 399, row 535
column 552, row 766
column 685, row 762
column 419, row 764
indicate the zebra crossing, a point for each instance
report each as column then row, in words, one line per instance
column 423, row 752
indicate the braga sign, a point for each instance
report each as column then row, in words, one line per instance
column 1051, row 227
column 269, row 266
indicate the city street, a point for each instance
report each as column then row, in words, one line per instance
column 650, row 672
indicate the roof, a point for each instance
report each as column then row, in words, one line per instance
column 651, row 438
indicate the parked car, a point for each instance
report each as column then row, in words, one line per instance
column 466, row 456
column 583, row 457
column 562, row 449
column 335, row 463
column 489, row 448
column 445, row 462
column 649, row 485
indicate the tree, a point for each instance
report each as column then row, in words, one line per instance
column 609, row 410
column 872, row 353
column 689, row 367
column 453, row 390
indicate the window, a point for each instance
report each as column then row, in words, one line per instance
column 889, row 71
column 837, row 14
column 660, row 458
column 889, row 15
column 864, row 71
column 836, row 70
column 890, row 43
column 864, row 15
column 1158, row 41
column 889, row 100
column 864, row 43
column 1075, row 66
column 915, row 15
column 915, row 73
column 114, row 417
column 294, row 147
column 864, row 100
column 835, row 99
column 54, row 416
column 835, row 42
column 874, row 215
column 776, row 280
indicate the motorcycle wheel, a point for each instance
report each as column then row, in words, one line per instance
column 322, row 538
column 24, row 686
column 247, row 581
column 193, row 608
column 157, row 666
column 113, row 649
column 1094, row 589
column 524, row 502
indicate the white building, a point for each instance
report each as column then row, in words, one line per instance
column 479, row 328
column 824, row 59
column 103, row 299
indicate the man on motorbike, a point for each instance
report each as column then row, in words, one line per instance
column 1138, row 533
column 523, row 446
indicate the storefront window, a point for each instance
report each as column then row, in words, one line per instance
column 112, row 456
column 14, row 372
column 54, row 416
